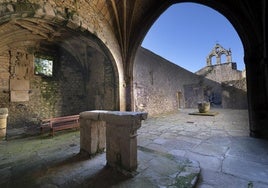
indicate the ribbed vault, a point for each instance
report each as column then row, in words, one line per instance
column 33, row 35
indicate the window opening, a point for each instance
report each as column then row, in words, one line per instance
column 43, row 66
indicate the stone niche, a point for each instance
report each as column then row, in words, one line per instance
column 19, row 90
column 21, row 69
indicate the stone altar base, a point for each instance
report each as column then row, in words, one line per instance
column 94, row 139
column 118, row 129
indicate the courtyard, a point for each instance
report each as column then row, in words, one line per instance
column 228, row 157
column 216, row 149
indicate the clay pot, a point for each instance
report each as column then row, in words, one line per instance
column 203, row 107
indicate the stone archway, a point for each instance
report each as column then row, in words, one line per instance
column 252, row 33
column 85, row 75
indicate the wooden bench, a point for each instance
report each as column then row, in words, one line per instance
column 60, row 123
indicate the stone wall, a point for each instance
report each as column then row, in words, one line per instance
column 71, row 90
column 221, row 72
column 234, row 94
column 84, row 74
column 160, row 86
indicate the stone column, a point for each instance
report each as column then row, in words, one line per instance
column 218, row 59
column 208, row 61
column 3, row 123
column 92, row 133
column 257, row 74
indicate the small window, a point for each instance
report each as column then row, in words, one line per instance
column 43, row 66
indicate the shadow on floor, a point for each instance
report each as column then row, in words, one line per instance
column 73, row 171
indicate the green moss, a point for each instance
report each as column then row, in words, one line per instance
column 184, row 181
column 49, row 94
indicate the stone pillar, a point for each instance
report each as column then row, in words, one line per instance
column 218, row 59
column 92, row 133
column 122, row 96
column 257, row 78
column 208, row 61
column 121, row 136
column 3, row 123
column 228, row 58
column 128, row 94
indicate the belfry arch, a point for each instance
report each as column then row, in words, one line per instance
column 218, row 51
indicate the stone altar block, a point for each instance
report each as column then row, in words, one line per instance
column 92, row 135
column 121, row 136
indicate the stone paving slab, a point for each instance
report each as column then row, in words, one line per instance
column 212, row 179
column 228, row 157
column 245, row 169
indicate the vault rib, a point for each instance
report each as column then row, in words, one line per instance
column 117, row 22
column 33, row 29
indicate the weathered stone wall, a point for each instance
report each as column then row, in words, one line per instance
column 48, row 97
column 84, row 77
column 234, row 94
column 221, row 72
column 205, row 91
column 50, row 19
column 101, row 86
column 69, row 91
column 160, row 86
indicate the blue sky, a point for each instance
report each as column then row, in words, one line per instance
column 186, row 33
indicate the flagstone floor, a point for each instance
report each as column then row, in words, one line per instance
column 173, row 151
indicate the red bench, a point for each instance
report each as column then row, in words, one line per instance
column 60, row 123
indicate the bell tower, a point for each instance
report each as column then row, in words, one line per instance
column 218, row 51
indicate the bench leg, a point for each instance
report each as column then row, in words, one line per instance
column 51, row 132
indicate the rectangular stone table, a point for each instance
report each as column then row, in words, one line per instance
column 115, row 128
